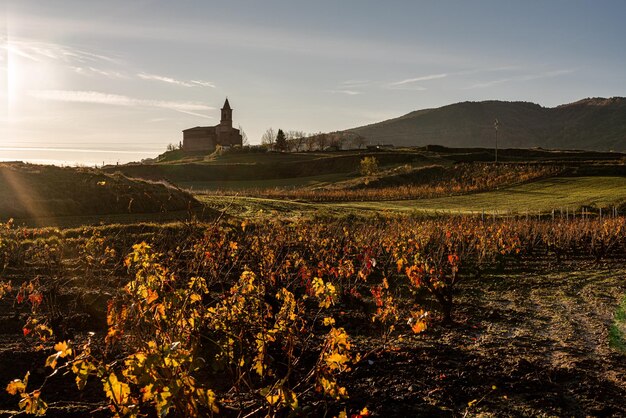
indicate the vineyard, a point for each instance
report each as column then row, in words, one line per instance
column 337, row 317
column 406, row 182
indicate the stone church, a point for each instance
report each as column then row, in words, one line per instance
column 207, row 138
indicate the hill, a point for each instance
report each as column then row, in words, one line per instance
column 267, row 166
column 589, row 124
column 37, row 191
column 242, row 169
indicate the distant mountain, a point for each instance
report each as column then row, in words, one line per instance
column 589, row 124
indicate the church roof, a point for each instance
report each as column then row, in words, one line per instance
column 226, row 104
column 200, row 128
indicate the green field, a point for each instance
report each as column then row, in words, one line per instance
column 567, row 193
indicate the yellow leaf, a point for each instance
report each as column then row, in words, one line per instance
column 52, row 360
column 161, row 311
column 329, row 321
column 162, row 403
column 258, row 367
column 336, row 360
column 81, row 369
column 63, row 349
column 118, row 392
column 207, row 396
column 18, row 385
column 272, row 399
column 32, row 404
column 147, row 393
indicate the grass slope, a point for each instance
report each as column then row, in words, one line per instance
column 541, row 196
column 45, row 192
column 309, row 181
column 269, row 166
column 537, row 197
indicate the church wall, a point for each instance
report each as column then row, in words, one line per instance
column 206, row 138
column 199, row 140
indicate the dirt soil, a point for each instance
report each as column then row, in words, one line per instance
column 527, row 344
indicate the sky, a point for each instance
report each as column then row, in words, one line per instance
column 114, row 81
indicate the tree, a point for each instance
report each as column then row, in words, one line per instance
column 359, row 141
column 244, row 137
column 281, row 141
column 369, row 166
column 310, row 142
column 269, row 138
column 335, row 141
column 321, row 140
column 296, row 138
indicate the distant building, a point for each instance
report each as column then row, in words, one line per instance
column 207, row 138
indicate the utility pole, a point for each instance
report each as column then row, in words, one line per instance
column 495, row 126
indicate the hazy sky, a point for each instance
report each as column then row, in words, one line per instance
column 130, row 75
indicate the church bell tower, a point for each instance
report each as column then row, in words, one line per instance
column 227, row 115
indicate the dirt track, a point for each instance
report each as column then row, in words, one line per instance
column 541, row 340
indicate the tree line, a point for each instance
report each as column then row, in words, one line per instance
column 295, row 141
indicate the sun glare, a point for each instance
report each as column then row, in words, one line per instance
column 25, row 71
column 12, row 78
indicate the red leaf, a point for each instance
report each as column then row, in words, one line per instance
column 35, row 298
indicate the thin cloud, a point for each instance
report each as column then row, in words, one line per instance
column 203, row 83
column 408, row 84
column 488, row 70
column 253, row 37
column 170, row 80
column 14, row 49
column 164, row 79
column 416, row 79
column 407, row 87
column 347, row 92
column 97, row 71
column 38, row 51
column 355, row 83
column 522, row 78
column 95, row 97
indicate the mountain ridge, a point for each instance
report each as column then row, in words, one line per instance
column 596, row 123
